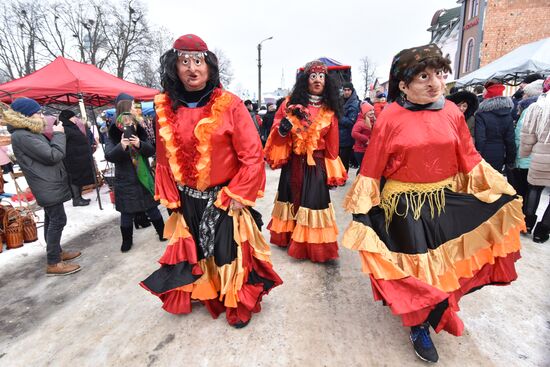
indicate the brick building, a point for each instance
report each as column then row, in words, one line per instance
column 492, row 28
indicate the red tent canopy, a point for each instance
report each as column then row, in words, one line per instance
column 63, row 80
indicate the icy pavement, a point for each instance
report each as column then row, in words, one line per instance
column 323, row 315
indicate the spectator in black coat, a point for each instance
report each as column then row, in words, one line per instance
column 78, row 158
column 267, row 122
column 494, row 128
column 134, row 184
column 346, row 122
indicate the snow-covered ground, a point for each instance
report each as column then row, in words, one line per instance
column 80, row 219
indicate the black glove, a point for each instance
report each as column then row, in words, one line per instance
column 285, row 127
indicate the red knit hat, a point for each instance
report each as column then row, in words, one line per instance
column 494, row 90
column 190, row 42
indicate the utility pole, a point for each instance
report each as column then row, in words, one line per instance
column 260, row 71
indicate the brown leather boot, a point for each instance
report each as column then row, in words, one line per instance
column 70, row 255
column 62, row 268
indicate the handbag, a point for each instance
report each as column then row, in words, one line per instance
column 13, row 228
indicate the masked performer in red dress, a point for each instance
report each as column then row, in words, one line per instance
column 304, row 143
column 445, row 222
column 210, row 171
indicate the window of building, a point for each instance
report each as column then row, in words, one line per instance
column 474, row 9
column 469, row 55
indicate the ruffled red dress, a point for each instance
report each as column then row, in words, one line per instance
column 444, row 224
column 207, row 156
column 303, row 216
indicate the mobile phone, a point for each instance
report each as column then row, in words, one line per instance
column 129, row 131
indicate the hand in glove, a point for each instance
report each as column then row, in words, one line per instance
column 285, row 127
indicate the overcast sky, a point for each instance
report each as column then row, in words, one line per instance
column 345, row 30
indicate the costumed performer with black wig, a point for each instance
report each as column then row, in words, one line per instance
column 304, row 144
column 210, row 171
column 445, row 222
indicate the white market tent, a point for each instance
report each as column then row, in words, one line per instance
column 527, row 59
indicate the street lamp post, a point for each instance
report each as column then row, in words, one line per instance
column 260, row 71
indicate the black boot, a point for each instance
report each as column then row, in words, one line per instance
column 530, row 221
column 541, row 233
column 141, row 220
column 127, row 238
column 80, row 202
column 159, row 227
column 77, row 197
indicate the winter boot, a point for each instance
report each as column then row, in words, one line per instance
column 141, row 220
column 159, row 227
column 541, row 233
column 77, row 197
column 127, row 238
column 530, row 221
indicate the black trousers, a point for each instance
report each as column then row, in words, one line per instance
column 127, row 219
column 55, row 220
column 532, row 203
column 345, row 156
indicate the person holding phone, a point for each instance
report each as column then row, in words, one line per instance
column 129, row 149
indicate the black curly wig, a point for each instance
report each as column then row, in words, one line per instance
column 331, row 94
column 171, row 83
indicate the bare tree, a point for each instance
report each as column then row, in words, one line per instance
column 19, row 23
column 224, row 64
column 127, row 35
column 147, row 70
column 368, row 71
column 83, row 25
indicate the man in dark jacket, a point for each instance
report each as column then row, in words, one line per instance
column 346, row 122
column 42, row 164
column 268, row 122
column 494, row 128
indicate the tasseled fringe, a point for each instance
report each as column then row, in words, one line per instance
column 415, row 198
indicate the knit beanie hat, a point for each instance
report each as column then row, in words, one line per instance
column 25, row 106
column 494, row 90
column 66, row 115
column 123, row 97
column 347, row 85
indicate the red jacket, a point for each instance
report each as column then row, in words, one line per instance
column 361, row 130
column 361, row 133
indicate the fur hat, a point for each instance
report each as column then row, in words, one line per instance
column 533, row 89
column 25, row 106
column 469, row 98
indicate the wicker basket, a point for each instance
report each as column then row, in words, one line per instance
column 30, row 233
column 13, row 228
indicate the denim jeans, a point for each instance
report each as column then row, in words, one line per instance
column 54, row 222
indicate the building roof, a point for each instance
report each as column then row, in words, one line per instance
column 443, row 22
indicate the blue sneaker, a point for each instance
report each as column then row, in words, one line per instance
column 422, row 343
